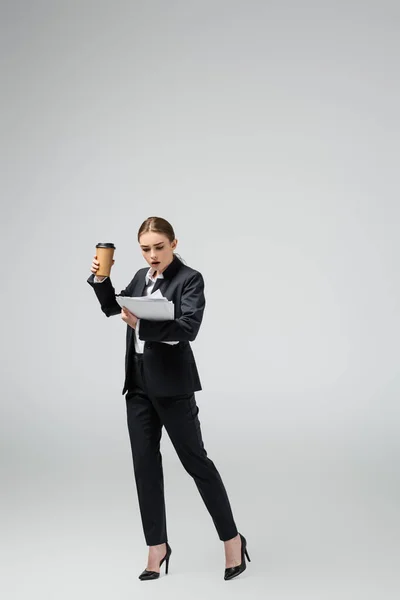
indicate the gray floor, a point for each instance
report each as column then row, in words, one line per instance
column 321, row 522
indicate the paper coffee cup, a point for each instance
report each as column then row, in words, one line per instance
column 105, row 255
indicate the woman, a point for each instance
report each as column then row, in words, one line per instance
column 161, row 379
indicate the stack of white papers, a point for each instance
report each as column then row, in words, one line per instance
column 154, row 307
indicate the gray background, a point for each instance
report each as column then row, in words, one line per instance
column 268, row 134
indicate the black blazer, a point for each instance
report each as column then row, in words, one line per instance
column 169, row 370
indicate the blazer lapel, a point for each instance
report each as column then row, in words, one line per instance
column 141, row 286
column 160, row 284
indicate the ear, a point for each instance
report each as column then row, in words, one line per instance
column 174, row 244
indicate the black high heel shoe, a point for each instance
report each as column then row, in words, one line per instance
column 232, row 572
column 145, row 575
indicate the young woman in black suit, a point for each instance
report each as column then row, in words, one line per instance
column 161, row 379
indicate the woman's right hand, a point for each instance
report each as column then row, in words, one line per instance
column 95, row 266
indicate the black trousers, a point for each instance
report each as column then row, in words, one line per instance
column 178, row 414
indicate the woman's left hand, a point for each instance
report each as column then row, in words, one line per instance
column 128, row 317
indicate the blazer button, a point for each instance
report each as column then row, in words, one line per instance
column 149, row 345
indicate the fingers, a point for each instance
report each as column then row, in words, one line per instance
column 127, row 313
column 95, row 265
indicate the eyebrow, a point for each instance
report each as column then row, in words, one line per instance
column 158, row 243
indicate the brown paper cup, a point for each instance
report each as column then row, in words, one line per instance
column 105, row 255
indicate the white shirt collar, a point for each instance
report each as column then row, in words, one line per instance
column 149, row 276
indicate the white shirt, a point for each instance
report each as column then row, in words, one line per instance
column 150, row 281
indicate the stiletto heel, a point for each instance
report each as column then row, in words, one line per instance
column 166, row 566
column 232, row 572
column 145, row 575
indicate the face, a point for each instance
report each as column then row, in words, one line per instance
column 157, row 250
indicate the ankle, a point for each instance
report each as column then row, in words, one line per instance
column 232, row 540
column 158, row 547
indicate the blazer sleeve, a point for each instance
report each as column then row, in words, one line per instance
column 105, row 293
column 186, row 327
